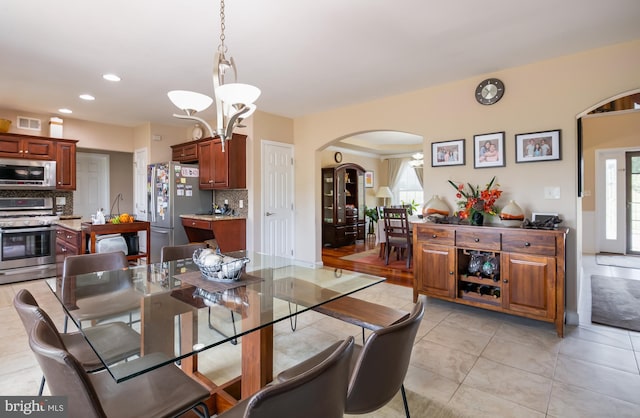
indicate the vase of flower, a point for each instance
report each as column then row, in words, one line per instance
column 477, row 219
column 475, row 202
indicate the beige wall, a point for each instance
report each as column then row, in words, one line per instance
column 542, row 96
column 605, row 131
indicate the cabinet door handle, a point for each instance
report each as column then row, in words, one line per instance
column 527, row 244
column 477, row 240
column 451, row 273
column 269, row 214
column 505, row 281
column 434, row 236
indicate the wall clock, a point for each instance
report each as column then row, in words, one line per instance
column 489, row 91
column 337, row 157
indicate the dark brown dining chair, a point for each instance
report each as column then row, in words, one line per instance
column 179, row 252
column 115, row 340
column 163, row 392
column 318, row 392
column 378, row 368
column 398, row 233
column 94, row 307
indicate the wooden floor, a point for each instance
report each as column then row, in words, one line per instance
column 331, row 258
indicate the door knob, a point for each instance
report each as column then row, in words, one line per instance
column 269, row 214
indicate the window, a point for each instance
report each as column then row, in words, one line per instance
column 408, row 187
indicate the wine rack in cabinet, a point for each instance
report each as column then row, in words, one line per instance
column 515, row 271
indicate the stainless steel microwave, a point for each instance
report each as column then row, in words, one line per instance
column 27, row 174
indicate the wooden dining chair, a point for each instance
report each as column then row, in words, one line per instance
column 398, row 233
column 318, row 392
column 95, row 307
column 164, row 392
column 377, row 369
column 115, row 340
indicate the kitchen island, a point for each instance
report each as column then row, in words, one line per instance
column 230, row 232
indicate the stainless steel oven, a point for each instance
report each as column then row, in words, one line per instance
column 27, row 239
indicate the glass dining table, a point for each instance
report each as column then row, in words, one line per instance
column 176, row 301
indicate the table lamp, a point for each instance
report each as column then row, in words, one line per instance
column 384, row 192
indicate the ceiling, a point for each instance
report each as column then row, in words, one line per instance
column 305, row 56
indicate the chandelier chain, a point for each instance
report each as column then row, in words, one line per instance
column 222, row 47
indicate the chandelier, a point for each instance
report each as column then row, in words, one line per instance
column 234, row 101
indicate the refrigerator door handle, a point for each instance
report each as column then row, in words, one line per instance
column 152, row 204
column 159, row 231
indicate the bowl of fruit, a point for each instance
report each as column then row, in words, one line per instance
column 123, row 218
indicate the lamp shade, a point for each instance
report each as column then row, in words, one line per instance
column 234, row 93
column 384, row 192
column 189, row 100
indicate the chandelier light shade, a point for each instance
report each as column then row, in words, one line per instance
column 234, row 101
column 418, row 160
column 189, row 101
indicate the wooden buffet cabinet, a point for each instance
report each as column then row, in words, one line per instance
column 63, row 151
column 525, row 274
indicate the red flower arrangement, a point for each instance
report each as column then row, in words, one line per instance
column 475, row 200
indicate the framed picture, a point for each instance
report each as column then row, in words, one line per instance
column 488, row 150
column 538, row 146
column 368, row 179
column 447, row 153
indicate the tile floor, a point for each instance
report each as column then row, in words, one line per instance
column 478, row 363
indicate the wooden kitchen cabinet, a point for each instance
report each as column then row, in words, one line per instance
column 67, row 243
column 230, row 233
column 66, row 165
column 27, row 147
column 223, row 170
column 185, row 153
column 515, row 271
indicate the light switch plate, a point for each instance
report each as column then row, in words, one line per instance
column 552, row 193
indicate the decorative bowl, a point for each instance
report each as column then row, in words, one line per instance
column 217, row 267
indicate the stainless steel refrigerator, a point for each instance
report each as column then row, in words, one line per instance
column 173, row 190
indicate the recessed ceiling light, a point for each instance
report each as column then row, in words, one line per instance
column 87, row 97
column 65, row 110
column 110, row 77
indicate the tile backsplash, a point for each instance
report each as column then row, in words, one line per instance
column 234, row 197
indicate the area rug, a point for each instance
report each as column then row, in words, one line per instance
column 371, row 257
column 419, row 407
column 626, row 261
column 615, row 302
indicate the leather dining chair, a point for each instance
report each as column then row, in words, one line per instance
column 94, row 308
column 163, row 392
column 115, row 340
column 318, row 392
column 398, row 233
column 378, row 368
column 179, row 252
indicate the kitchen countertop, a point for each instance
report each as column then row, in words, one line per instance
column 212, row 217
column 73, row 224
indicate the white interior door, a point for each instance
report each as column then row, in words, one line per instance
column 610, row 201
column 277, row 199
column 92, row 184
